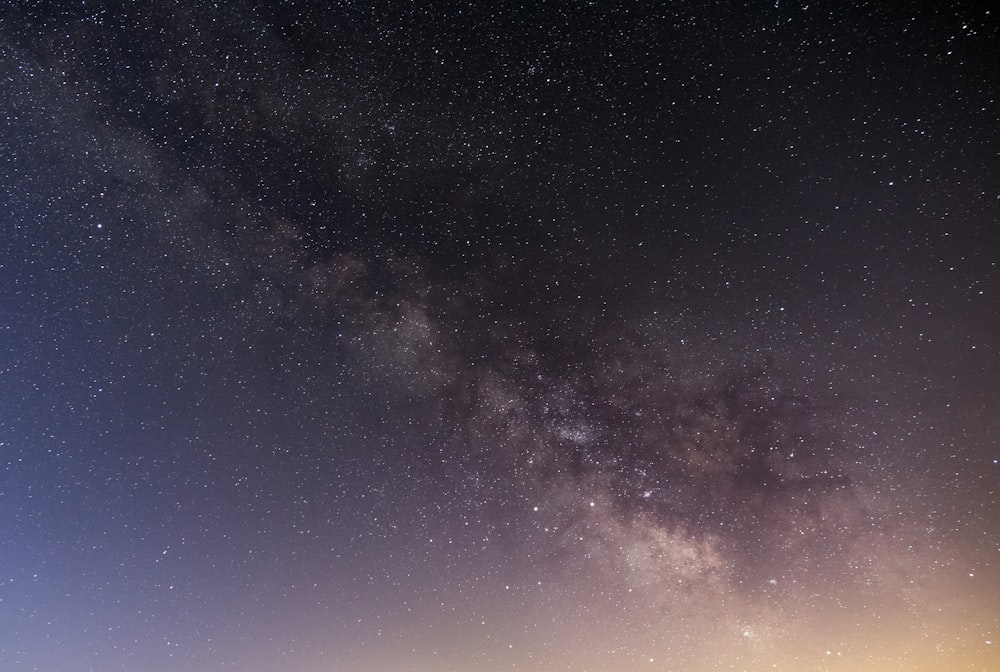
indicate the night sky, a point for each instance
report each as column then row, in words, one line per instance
column 466, row 336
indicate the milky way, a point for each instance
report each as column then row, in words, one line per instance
column 601, row 337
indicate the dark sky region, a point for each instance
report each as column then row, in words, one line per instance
column 470, row 336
